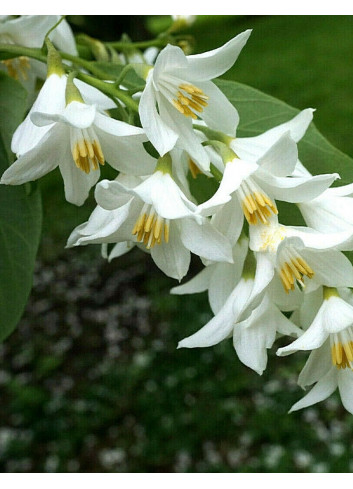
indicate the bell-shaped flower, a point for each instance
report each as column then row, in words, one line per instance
column 51, row 99
column 179, row 90
column 250, row 188
column 330, row 337
column 248, row 315
column 254, row 147
column 79, row 140
column 299, row 253
column 155, row 214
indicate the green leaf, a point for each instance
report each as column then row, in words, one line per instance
column 259, row 112
column 20, row 216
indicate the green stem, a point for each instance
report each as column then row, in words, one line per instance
column 122, row 75
column 110, row 89
column 34, row 53
column 137, row 45
column 88, row 66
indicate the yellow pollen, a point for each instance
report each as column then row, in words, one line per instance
column 194, row 169
column 342, row 354
column 87, row 155
column 294, row 270
column 257, row 207
column 190, row 99
column 17, row 67
column 151, row 228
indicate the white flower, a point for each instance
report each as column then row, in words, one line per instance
column 330, row 336
column 51, row 100
column 249, row 315
column 250, row 188
column 299, row 252
column 79, row 140
column 178, row 90
column 155, row 213
column 30, row 31
column 254, row 147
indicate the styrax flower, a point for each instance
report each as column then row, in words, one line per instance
column 78, row 140
column 297, row 253
column 330, row 337
column 154, row 213
column 249, row 315
column 178, row 90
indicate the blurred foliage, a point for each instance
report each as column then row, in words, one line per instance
column 92, row 380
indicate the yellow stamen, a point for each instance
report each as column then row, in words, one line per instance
column 258, row 207
column 194, row 169
column 17, row 67
column 150, row 228
column 292, row 270
column 87, row 155
column 342, row 354
column 190, row 99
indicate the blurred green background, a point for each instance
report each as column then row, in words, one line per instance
column 91, row 380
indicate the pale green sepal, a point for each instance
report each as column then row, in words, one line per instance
column 72, row 93
column 329, row 292
column 225, row 152
column 164, row 164
column 54, row 63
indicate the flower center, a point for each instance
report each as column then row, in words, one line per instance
column 150, row 228
column 86, row 149
column 256, row 204
column 342, row 348
column 17, row 67
column 293, row 267
column 190, row 99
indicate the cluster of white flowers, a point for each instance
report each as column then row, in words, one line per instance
column 264, row 279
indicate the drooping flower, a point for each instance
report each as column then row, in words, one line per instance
column 299, row 253
column 178, row 90
column 330, row 364
column 154, row 213
column 79, row 139
column 250, row 188
column 248, row 315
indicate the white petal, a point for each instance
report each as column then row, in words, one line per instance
column 92, row 96
column 328, row 214
column 255, row 147
column 331, row 268
column 169, row 59
column 345, row 386
column 40, row 160
column 204, row 240
column 126, row 154
column 322, row 390
column 209, row 65
column 63, row 38
column 163, row 193
column 219, row 114
column 51, row 99
column 120, row 249
column 338, row 315
column 197, row 284
column 111, row 194
column 77, row 183
column 281, row 158
column 296, row 189
column 317, row 366
column 172, row 257
column 312, row 338
column 159, row 133
column 229, row 220
column 29, row 30
column 234, row 173
column 75, row 114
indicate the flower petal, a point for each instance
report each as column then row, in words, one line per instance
column 209, row 65
column 197, row 284
column 322, row 390
column 281, row 158
column 345, row 386
column 172, row 257
column 317, row 365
